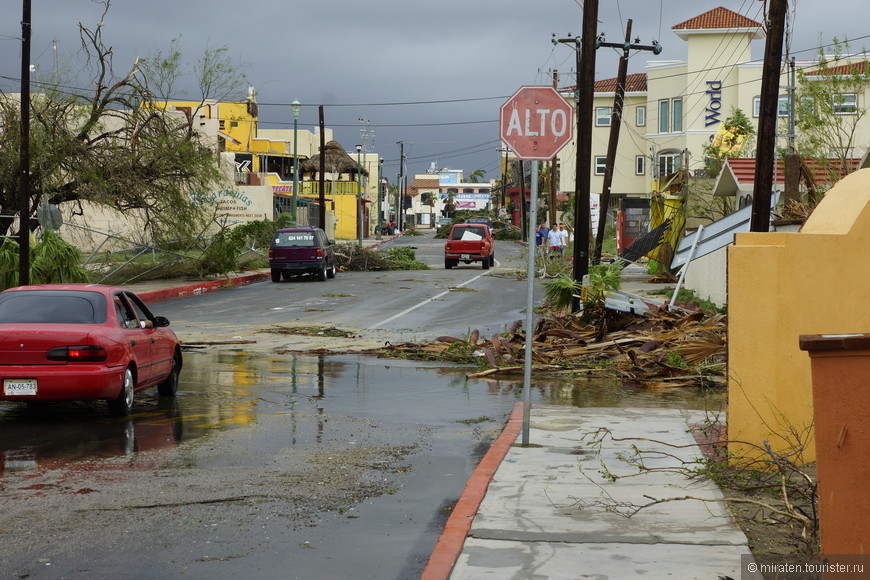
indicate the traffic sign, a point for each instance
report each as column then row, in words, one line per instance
column 536, row 122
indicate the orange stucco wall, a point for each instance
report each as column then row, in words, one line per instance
column 783, row 285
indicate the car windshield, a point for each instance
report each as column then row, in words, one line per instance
column 52, row 306
column 295, row 239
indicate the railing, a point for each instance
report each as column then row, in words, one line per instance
column 331, row 188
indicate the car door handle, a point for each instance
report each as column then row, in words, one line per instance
column 152, row 341
column 132, row 343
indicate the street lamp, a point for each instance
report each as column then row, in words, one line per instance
column 296, row 106
column 359, row 204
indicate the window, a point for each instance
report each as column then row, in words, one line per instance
column 782, row 106
column 600, row 164
column 669, row 161
column 846, row 104
column 664, row 115
column 640, row 117
column 677, row 116
column 640, row 165
column 602, row 116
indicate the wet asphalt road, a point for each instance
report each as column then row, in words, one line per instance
column 274, row 465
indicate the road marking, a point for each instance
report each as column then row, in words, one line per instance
column 421, row 304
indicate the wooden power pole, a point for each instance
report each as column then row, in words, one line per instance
column 760, row 220
column 615, row 125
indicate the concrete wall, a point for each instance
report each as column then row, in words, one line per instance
column 783, row 285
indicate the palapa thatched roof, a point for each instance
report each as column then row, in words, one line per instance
column 337, row 161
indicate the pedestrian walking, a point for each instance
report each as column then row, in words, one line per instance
column 555, row 241
column 541, row 237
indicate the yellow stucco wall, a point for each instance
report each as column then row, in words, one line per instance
column 782, row 285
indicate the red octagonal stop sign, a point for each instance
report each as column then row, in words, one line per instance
column 536, row 122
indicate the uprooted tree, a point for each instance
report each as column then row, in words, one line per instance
column 116, row 145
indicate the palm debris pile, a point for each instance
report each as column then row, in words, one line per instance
column 663, row 349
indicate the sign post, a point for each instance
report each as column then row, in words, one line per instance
column 535, row 122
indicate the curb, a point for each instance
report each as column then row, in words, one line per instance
column 201, row 287
column 449, row 545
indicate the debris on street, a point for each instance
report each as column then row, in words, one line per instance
column 662, row 349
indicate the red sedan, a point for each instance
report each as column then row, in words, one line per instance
column 83, row 341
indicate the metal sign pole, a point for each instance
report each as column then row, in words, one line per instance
column 530, row 311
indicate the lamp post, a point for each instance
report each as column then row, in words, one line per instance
column 296, row 106
column 359, row 204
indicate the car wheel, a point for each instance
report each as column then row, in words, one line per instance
column 448, row 263
column 276, row 275
column 121, row 405
column 169, row 387
column 322, row 274
column 485, row 263
column 492, row 260
column 331, row 272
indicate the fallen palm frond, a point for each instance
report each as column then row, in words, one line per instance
column 664, row 349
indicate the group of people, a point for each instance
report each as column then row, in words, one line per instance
column 552, row 240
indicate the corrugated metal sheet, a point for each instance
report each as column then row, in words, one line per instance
column 717, row 235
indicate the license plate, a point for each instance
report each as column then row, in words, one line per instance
column 465, row 256
column 19, row 387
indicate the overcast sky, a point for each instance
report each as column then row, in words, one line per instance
column 430, row 74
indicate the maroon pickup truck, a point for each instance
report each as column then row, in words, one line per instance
column 469, row 243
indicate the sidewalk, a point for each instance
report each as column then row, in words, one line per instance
column 546, row 512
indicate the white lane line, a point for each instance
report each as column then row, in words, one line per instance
column 421, row 304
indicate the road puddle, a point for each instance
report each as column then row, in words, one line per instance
column 224, row 390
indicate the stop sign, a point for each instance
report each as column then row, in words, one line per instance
column 536, row 122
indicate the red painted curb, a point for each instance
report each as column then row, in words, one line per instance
column 200, row 287
column 449, row 545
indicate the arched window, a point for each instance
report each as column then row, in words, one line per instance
column 668, row 162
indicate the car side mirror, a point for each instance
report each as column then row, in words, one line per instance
column 330, row 242
column 160, row 321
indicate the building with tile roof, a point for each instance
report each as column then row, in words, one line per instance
column 673, row 109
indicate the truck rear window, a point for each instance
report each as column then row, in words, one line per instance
column 467, row 233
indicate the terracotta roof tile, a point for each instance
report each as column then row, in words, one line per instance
column 717, row 18
column 744, row 170
column 634, row 83
column 859, row 68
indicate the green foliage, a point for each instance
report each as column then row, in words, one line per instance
column 52, row 260
column 404, row 258
column 824, row 131
column 688, row 296
column 602, row 278
column 560, row 291
column 351, row 257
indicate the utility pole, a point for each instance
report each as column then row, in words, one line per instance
column 24, row 153
column 615, row 125
column 760, row 220
column 400, row 194
column 521, row 184
column 322, row 171
column 585, row 94
column 553, row 169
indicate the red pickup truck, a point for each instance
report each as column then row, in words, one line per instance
column 469, row 243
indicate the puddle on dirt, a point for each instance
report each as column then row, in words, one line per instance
column 235, row 389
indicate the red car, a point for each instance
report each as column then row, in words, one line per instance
column 83, row 341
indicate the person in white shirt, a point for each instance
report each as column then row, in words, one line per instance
column 554, row 240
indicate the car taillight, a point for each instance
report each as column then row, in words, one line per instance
column 319, row 252
column 270, row 253
column 80, row 353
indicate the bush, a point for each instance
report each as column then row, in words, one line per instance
column 52, row 260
